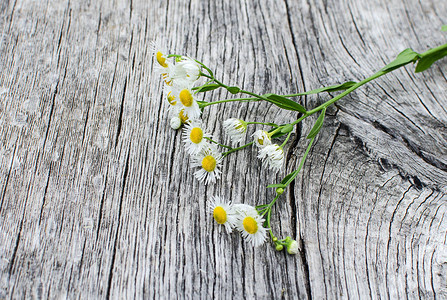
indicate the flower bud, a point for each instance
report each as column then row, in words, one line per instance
column 279, row 191
column 176, row 123
column 293, row 247
column 279, row 247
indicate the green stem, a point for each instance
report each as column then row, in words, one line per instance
column 207, row 76
column 262, row 123
column 295, row 173
column 434, row 50
column 274, row 131
column 224, row 146
column 236, row 149
column 287, row 138
column 254, row 95
column 269, row 207
column 268, row 224
column 230, row 100
column 346, row 92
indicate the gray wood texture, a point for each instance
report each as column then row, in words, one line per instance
column 97, row 198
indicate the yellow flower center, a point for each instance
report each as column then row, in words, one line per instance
column 171, row 99
column 261, row 141
column 220, row 215
column 161, row 60
column 182, row 116
column 209, row 163
column 196, row 135
column 186, row 98
column 250, row 225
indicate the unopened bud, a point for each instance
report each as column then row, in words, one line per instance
column 279, row 191
column 176, row 123
column 293, row 247
column 279, row 247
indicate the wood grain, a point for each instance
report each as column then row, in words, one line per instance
column 97, row 198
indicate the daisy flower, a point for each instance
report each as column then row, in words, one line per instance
column 209, row 160
column 186, row 101
column 194, row 137
column 251, row 227
column 236, row 129
column 170, row 95
column 272, row 156
column 262, row 138
column 187, row 69
column 163, row 65
column 223, row 213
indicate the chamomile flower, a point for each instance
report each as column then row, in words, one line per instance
column 242, row 209
column 251, row 227
column 163, row 65
column 194, row 137
column 170, row 95
column 187, row 69
column 236, row 129
column 261, row 138
column 186, row 101
column 209, row 160
column 223, row 213
column 272, row 156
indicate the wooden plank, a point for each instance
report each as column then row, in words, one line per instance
column 97, row 198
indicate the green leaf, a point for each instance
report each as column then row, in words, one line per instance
column 286, row 129
column 332, row 88
column 444, row 28
column 208, row 87
column 317, row 126
column 261, row 206
column 276, row 185
column 285, row 179
column 405, row 57
column 233, row 89
column 277, row 135
column 285, row 103
column 429, row 57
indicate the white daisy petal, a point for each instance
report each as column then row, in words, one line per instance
column 223, row 213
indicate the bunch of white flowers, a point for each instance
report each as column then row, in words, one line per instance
column 181, row 75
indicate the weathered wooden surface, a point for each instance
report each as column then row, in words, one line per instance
column 97, row 198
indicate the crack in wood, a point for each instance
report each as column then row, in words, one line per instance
column 112, row 264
